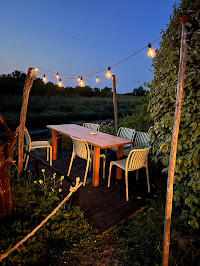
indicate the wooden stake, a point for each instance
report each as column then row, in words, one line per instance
column 172, row 162
column 115, row 104
column 26, row 91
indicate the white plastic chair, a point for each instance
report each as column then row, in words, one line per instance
column 30, row 145
column 136, row 159
column 125, row 133
column 81, row 149
column 92, row 126
column 141, row 140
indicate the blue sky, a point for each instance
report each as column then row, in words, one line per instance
column 80, row 37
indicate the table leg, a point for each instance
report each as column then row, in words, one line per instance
column 54, row 144
column 119, row 156
column 96, row 163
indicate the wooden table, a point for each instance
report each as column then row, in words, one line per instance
column 99, row 141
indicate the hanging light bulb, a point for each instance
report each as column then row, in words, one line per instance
column 97, row 79
column 79, row 79
column 57, row 76
column 82, row 84
column 60, row 83
column 151, row 52
column 44, row 79
column 108, row 73
column 36, row 69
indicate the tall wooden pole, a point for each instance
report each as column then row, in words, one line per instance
column 115, row 104
column 172, row 161
column 28, row 84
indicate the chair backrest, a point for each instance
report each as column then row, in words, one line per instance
column 81, row 148
column 137, row 159
column 27, row 137
column 92, row 126
column 141, row 140
column 126, row 133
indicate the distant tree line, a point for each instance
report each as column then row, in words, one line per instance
column 13, row 84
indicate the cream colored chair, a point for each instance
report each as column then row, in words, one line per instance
column 125, row 133
column 92, row 126
column 136, row 159
column 141, row 140
column 30, row 145
column 81, row 149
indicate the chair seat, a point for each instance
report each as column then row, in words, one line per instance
column 40, row 144
column 120, row 163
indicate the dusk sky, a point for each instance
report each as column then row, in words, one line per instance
column 80, row 37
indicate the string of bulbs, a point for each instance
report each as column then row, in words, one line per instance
column 151, row 53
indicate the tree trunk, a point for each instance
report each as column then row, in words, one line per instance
column 6, row 158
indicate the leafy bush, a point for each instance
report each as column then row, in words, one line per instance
column 162, row 107
column 32, row 202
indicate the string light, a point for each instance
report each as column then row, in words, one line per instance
column 44, row 79
column 151, row 52
column 82, row 84
column 108, row 73
column 57, row 76
column 79, row 79
column 36, row 69
column 97, row 79
column 60, row 83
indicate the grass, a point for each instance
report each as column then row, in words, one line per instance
column 43, row 110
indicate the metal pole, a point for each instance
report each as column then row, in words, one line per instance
column 172, row 162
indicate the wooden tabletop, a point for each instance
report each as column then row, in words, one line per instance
column 100, row 139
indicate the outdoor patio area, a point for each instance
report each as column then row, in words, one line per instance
column 103, row 207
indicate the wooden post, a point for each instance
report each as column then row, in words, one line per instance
column 172, row 161
column 115, row 104
column 26, row 91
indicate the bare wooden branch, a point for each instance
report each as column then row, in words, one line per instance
column 115, row 104
column 26, row 91
column 174, row 141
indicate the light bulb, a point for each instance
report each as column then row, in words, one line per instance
column 108, row 73
column 57, row 76
column 79, row 79
column 44, row 79
column 151, row 52
column 36, row 69
column 82, row 84
column 60, row 83
column 97, row 79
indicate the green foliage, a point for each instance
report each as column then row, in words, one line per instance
column 140, row 120
column 44, row 110
column 108, row 128
column 140, row 91
column 162, row 107
column 32, row 202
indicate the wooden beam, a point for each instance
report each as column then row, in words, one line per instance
column 115, row 104
column 174, row 141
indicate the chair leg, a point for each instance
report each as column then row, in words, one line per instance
column 137, row 175
column 86, row 171
column 70, row 165
column 50, row 150
column 126, row 182
column 26, row 164
column 148, row 184
column 104, row 167
column 110, row 168
column 47, row 154
column 90, row 165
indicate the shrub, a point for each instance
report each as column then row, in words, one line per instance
column 162, row 107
